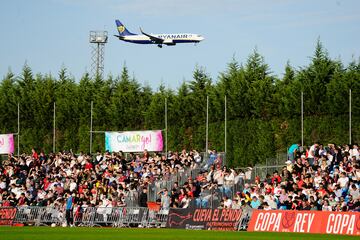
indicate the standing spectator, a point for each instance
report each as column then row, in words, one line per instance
column 165, row 199
column 69, row 210
column 143, row 198
column 34, row 154
column 312, row 153
column 292, row 152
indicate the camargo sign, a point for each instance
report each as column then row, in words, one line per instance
column 134, row 141
column 306, row 222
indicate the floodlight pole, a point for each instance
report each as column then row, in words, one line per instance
column 225, row 126
column 349, row 116
column 98, row 39
column 54, row 129
column 166, row 128
column 302, row 119
column 91, row 125
column 207, row 126
column 18, row 131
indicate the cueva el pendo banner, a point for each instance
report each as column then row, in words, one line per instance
column 6, row 143
column 204, row 218
column 134, row 141
column 324, row 222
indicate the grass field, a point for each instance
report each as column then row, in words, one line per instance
column 59, row 233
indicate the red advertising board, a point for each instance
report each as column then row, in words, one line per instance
column 306, row 222
column 7, row 215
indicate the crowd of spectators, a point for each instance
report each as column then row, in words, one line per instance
column 316, row 178
column 105, row 180
column 324, row 178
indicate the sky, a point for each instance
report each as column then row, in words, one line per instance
column 51, row 34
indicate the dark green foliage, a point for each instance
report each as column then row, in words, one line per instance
column 263, row 111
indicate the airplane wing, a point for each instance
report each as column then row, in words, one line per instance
column 153, row 38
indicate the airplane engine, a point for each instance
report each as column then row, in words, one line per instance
column 169, row 42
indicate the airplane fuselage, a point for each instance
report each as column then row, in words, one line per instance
column 169, row 39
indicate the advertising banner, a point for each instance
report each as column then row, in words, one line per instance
column 204, row 218
column 6, row 143
column 134, row 141
column 7, row 215
column 306, row 222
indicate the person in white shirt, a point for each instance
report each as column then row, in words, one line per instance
column 326, row 206
column 311, row 155
column 354, row 192
column 343, row 180
column 354, row 152
column 73, row 185
column 317, row 179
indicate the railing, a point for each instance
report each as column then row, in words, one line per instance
column 182, row 176
column 89, row 216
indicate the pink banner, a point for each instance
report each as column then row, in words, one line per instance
column 134, row 141
column 6, row 143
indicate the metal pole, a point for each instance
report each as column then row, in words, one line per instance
column 97, row 62
column 225, row 129
column 166, row 128
column 349, row 116
column 54, row 129
column 207, row 125
column 18, row 131
column 91, row 125
column 302, row 119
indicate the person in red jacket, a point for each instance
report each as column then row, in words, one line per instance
column 276, row 177
column 34, row 154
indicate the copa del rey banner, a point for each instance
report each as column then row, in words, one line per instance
column 6, row 143
column 306, row 222
column 134, row 141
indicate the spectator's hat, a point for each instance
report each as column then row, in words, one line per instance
column 288, row 162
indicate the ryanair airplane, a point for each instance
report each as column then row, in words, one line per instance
column 159, row 39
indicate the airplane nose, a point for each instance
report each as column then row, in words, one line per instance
column 201, row 38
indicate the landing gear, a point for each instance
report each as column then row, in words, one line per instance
column 159, row 45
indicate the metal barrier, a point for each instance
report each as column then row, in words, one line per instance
column 157, row 218
column 245, row 218
column 84, row 216
column 92, row 216
column 104, row 217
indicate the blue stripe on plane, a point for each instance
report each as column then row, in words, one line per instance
column 184, row 41
column 139, row 41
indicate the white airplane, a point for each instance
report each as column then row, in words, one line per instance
column 159, row 39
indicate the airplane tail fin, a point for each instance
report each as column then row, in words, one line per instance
column 122, row 29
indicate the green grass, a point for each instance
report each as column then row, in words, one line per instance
column 59, row 233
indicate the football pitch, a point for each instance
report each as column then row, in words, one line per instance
column 59, row 233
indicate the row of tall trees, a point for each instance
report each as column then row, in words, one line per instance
column 263, row 110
